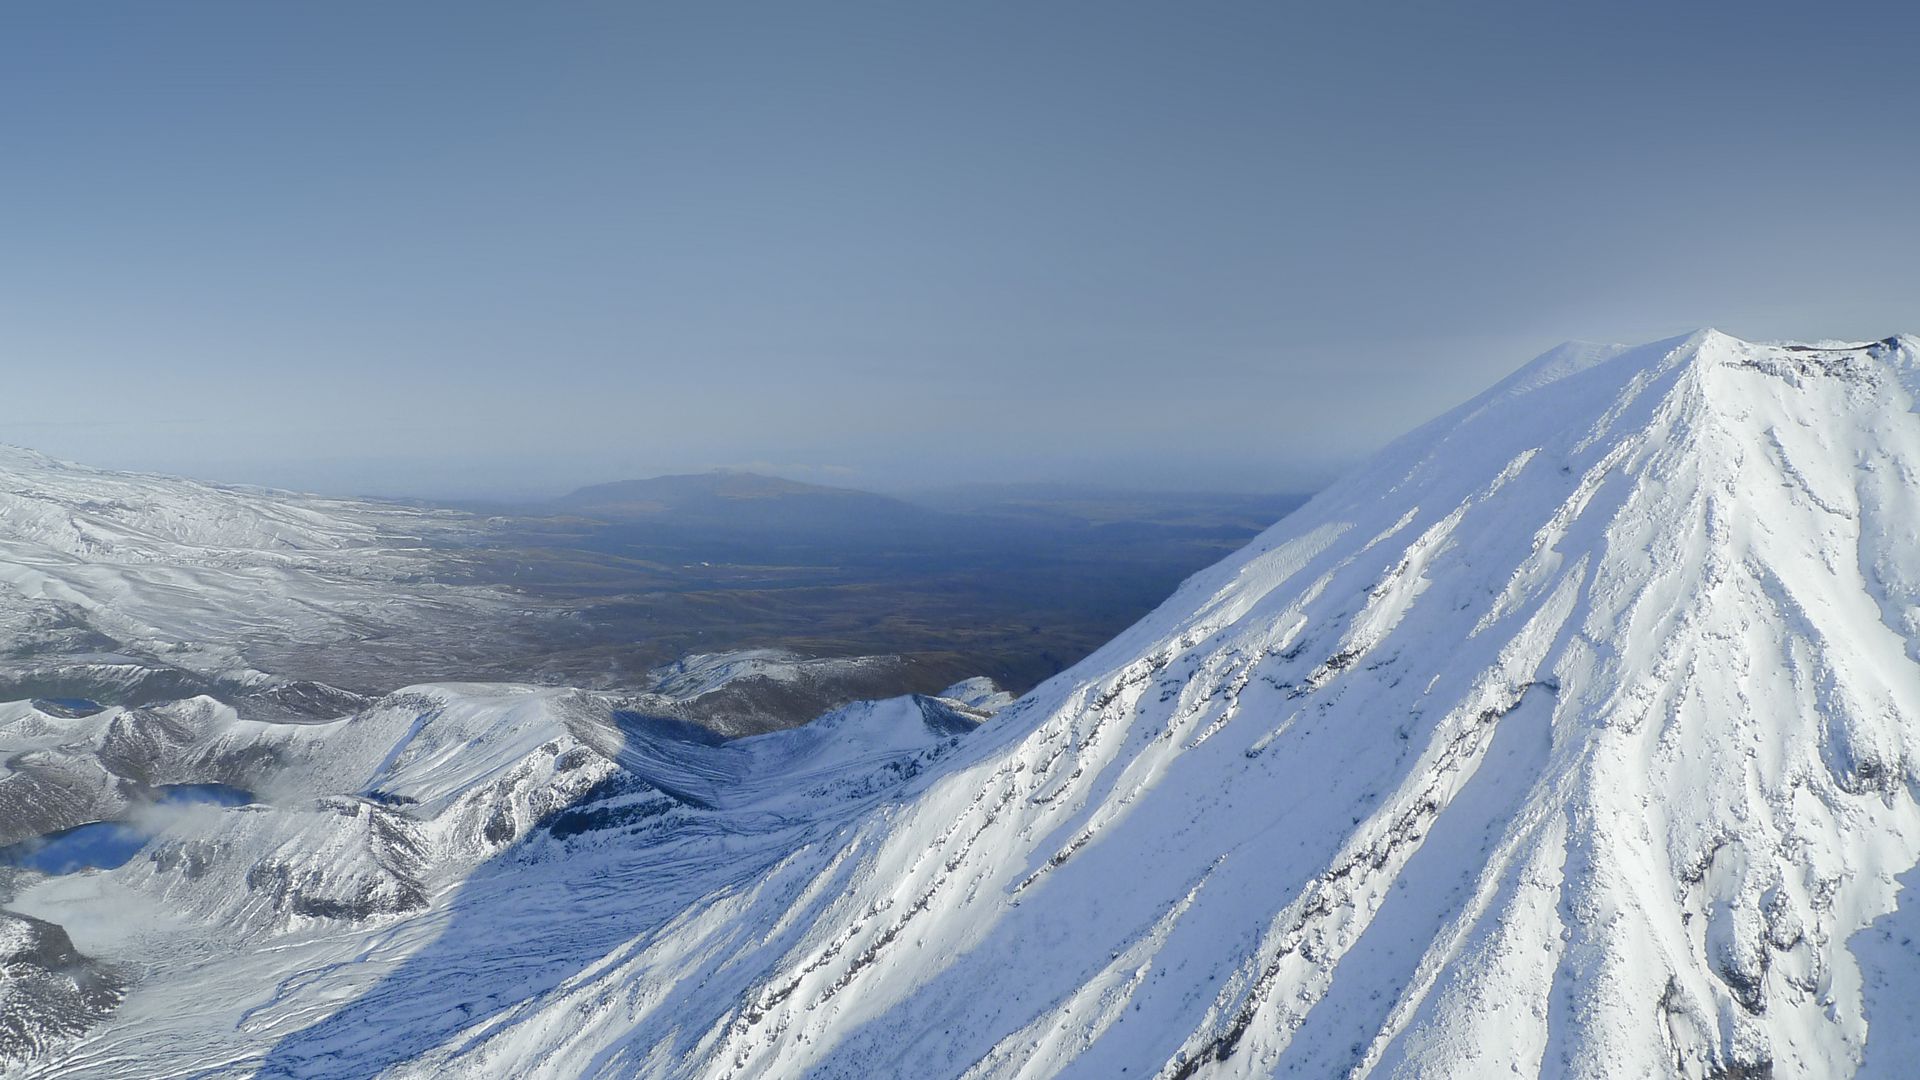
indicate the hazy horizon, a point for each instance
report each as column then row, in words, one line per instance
column 390, row 481
column 483, row 250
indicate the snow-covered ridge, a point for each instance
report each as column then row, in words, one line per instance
column 703, row 673
column 169, row 578
column 84, row 511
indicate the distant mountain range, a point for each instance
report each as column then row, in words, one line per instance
column 747, row 500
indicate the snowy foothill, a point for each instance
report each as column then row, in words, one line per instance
column 427, row 850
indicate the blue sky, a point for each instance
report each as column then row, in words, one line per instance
column 505, row 248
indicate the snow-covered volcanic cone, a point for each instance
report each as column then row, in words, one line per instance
column 1574, row 735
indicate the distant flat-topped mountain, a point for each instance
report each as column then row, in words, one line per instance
column 738, row 499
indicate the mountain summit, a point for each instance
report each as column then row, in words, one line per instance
column 1574, row 735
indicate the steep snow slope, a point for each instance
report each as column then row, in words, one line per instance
column 1576, row 735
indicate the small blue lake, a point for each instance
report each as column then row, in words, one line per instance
column 216, row 794
column 68, row 707
column 104, row 845
column 80, row 703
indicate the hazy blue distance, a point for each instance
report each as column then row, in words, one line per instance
column 478, row 248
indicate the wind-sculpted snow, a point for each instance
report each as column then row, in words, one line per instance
column 1575, row 735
